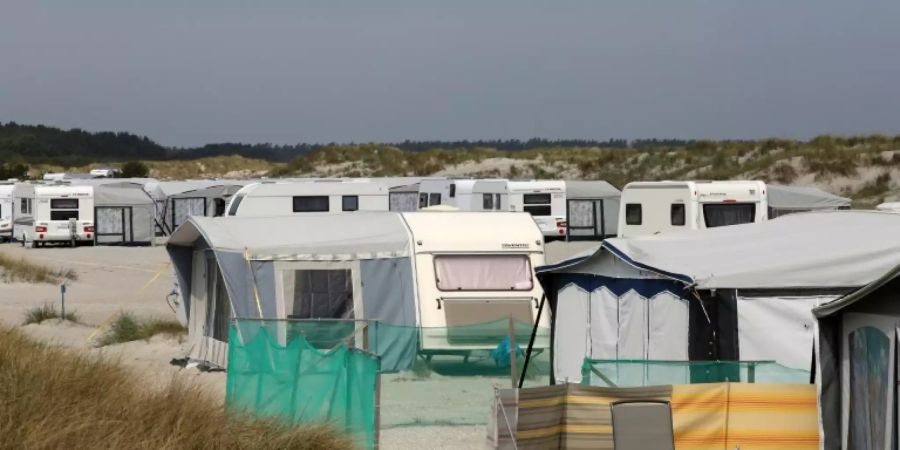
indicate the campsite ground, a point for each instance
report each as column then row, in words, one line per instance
column 137, row 279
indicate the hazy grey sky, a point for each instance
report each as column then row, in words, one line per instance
column 191, row 72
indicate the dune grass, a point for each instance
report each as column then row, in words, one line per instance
column 55, row 398
column 47, row 312
column 20, row 269
column 126, row 328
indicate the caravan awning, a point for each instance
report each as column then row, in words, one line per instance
column 359, row 235
column 803, row 198
column 837, row 249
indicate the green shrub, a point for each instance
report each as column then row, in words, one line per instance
column 127, row 328
column 47, row 312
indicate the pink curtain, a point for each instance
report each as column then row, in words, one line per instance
column 483, row 273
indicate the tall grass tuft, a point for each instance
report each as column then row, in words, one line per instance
column 127, row 328
column 47, row 312
column 54, row 398
column 12, row 270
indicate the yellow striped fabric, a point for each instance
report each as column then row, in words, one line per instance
column 715, row 416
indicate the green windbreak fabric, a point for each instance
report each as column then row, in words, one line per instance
column 639, row 373
column 442, row 376
column 271, row 374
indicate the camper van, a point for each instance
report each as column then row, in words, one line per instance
column 61, row 213
column 315, row 196
column 545, row 200
column 465, row 195
column 6, row 211
column 654, row 207
column 426, row 276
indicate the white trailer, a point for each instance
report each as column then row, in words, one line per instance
column 654, row 207
column 545, row 200
column 474, row 268
column 62, row 214
column 6, row 211
column 465, row 195
column 315, row 196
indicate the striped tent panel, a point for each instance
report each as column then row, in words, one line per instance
column 574, row 416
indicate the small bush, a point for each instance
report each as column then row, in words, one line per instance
column 47, row 312
column 12, row 270
column 127, row 328
column 784, row 173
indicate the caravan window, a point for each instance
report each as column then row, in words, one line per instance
column 487, row 201
column 234, row 204
column 676, row 212
column 723, row 214
column 220, row 207
column 321, row 294
column 434, row 199
column 25, row 206
column 63, row 208
column 497, row 202
column 633, row 214
column 537, row 204
column 483, row 272
column 350, row 203
column 452, row 190
column 311, row 203
column 423, row 200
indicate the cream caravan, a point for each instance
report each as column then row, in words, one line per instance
column 427, row 277
column 654, row 207
column 62, row 213
column 314, row 196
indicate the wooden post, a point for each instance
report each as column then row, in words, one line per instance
column 512, row 352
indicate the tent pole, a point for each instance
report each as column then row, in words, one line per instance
column 531, row 340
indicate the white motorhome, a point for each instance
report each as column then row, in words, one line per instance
column 62, row 213
column 654, row 207
column 466, row 195
column 315, row 196
column 545, row 200
column 6, row 211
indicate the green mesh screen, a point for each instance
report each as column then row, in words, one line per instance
column 274, row 371
column 637, row 373
column 430, row 378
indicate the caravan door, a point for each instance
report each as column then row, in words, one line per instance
column 868, row 378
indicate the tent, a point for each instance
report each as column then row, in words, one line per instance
column 739, row 293
column 209, row 201
column 856, row 356
column 262, row 267
column 791, row 199
column 592, row 210
column 123, row 214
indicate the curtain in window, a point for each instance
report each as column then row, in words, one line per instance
column 719, row 215
column 483, row 273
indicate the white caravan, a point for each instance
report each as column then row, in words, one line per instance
column 466, row 195
column 474, row 268
column 315, row 196
column 6, row 211
column 545, row 200
column 654, row 207
column 62, row 213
